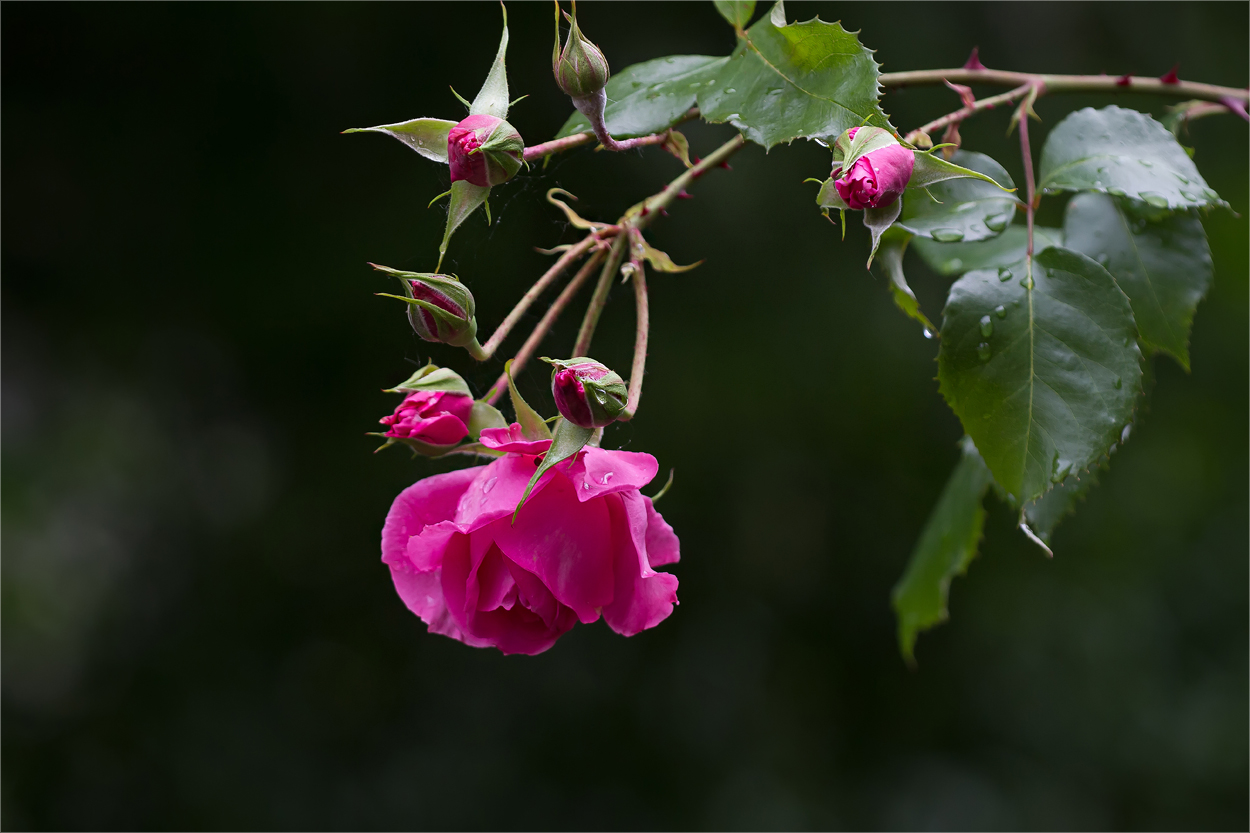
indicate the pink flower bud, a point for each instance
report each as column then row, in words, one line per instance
column 438, row 418
column 877, row 178
column 484, row 150
column 587, row 393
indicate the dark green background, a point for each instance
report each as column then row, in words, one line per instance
column 197, row 631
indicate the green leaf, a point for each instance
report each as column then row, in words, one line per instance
column 930, row 169
column 567, row 441
column 492, row 99
column 465, row 199
column 1042, row 368
column 945, row 549
column 892, row 247
column 484, row 415
column 427, row 137
column 803, row 80
column 1123, row 153
column 1006, row 250
column 1164, row 267
column 737, row 12
column 649, row 97
column 961, row 209
column 432, row 378
column 533, row 426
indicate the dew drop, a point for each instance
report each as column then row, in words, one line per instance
column 1190, row 195
column 1000, row 311
column 1117, row 192
column 927, row 334
column 1111, row 450
column 1146, row 163
column 965, row 206
column 1004, row 274
column 586, row 485
column 998, row 222
column 983, row 351
column 987, row 326
column 947, row 235
column 1157, row 200
column 1119, row 383
column 1097, row 183
column 606, row 477
column 489, row 484
column 730, row 91
column 956, row 264
column 1209, row 194
column 1026, row 282
column 1184, row 179
column 1124, row 435
column 1103, row 258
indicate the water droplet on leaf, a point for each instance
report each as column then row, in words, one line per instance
column 1157, row 200
column 1146, row 163
column 1117, row 192
column 987, row 326
column 983, row 351
column 1119, row 383
column 947, row 235
column 1124, row 435
column 1004, row 274
column 1000, row 311
column 998, row 222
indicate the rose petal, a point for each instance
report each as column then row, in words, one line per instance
column 643, row 597
column 511, row 439
column 495, row 493
column 565, row 543
column 662, row 544
column 599, row 471
column 425, row 502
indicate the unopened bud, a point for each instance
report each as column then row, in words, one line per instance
column 580, row 67
column 484, row 150
column 587, row 393
column 440, row 307
column 879, row 175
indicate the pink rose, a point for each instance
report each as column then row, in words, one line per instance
column 877, row 178
column 484, row 150
column 433, row 417
column 586, row 543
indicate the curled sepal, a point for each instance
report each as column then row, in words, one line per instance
column 661, row 262
column 574, row 219
column 828, row 196
column 533, row 427
column 440, row 307
column 565, row 443
column 465, row 199
column 877, row 220
column 492, row 98
column 930, row 170
column 432, row 378
column 427, row 137
column 893, row 244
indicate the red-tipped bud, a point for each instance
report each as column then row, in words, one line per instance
column 484, row 150
column 437, row 418
column 879, row 174
column 440, row 307
column 587, row 393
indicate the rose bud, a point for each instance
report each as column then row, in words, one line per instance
column 580, row 68
column 484, row 150
column 879, row 176
column 456, row 324
column 431, row 417
column 587, row 393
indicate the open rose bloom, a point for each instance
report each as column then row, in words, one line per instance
column 585, row 544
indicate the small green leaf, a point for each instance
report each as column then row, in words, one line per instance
column 677, row 144
column 651, row 96
column 965, row 209
column 465, row 199
column 1042, row 369
column 930, row 169
column 432, row 378
column 892, row 247
column 1003, row 251
column 783, row 82
column 427, row 137
column 736, row 12
column 1164, row 267
column 567, row 441
column 946, row 547
column 492, row 99
column 484, row 415
column 1123, row 153
column 661, row 262
column 533, row 427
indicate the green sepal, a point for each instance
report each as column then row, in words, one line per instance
column 893, row 245
column 877, row 220
column 930, row 170
column 465, row 199
column 453, row 321
column 484, row 415
column 736, row 12
column 565, row 443
column 532, row 425
column 846, row 152
column 661, row 262
column 427, row 137
column 828, row 196
column 432, row 378
column 417, row 447
column 492, row 98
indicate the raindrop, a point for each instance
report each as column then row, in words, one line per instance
column 1103, row 258
column 1117, row 192
column 1124, row 435
column 1184, row 179
column 586, row 485
column 947, row 235
column 998, row 222
column 489, row 484
column 1189, row 195
column 730, row 91
column 635, row 84
column 1146, row 163
column 1111, row 450
column 1209, row 194
column 983, row 351
column 695, row 85
column 927, row 334
column 606, row 477
column 1026, row 282
column 1102, row 170
column 1004, row 274
column 1097, row 183
column 1061, row 471
column 965, row 206
column 1000, row 311
column 955, row 264
column 1157, row 200
column 987, row 326
column 1119, row 383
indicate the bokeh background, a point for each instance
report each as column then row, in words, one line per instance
column 197, row 630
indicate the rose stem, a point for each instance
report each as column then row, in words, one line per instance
column 600, row 298
column 642, row 328
column 1064, row 83
column 963, row 113
column 544, row 325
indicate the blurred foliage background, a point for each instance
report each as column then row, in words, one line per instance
column 197, row 630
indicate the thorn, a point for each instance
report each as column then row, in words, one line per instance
column 645, row 211
column 1236, row 106
column 663, row 212
column 974, row 61
column 685, row 195
column 725, row 165
column 1124, row 80
column 964, row 93
column 1171, row 77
